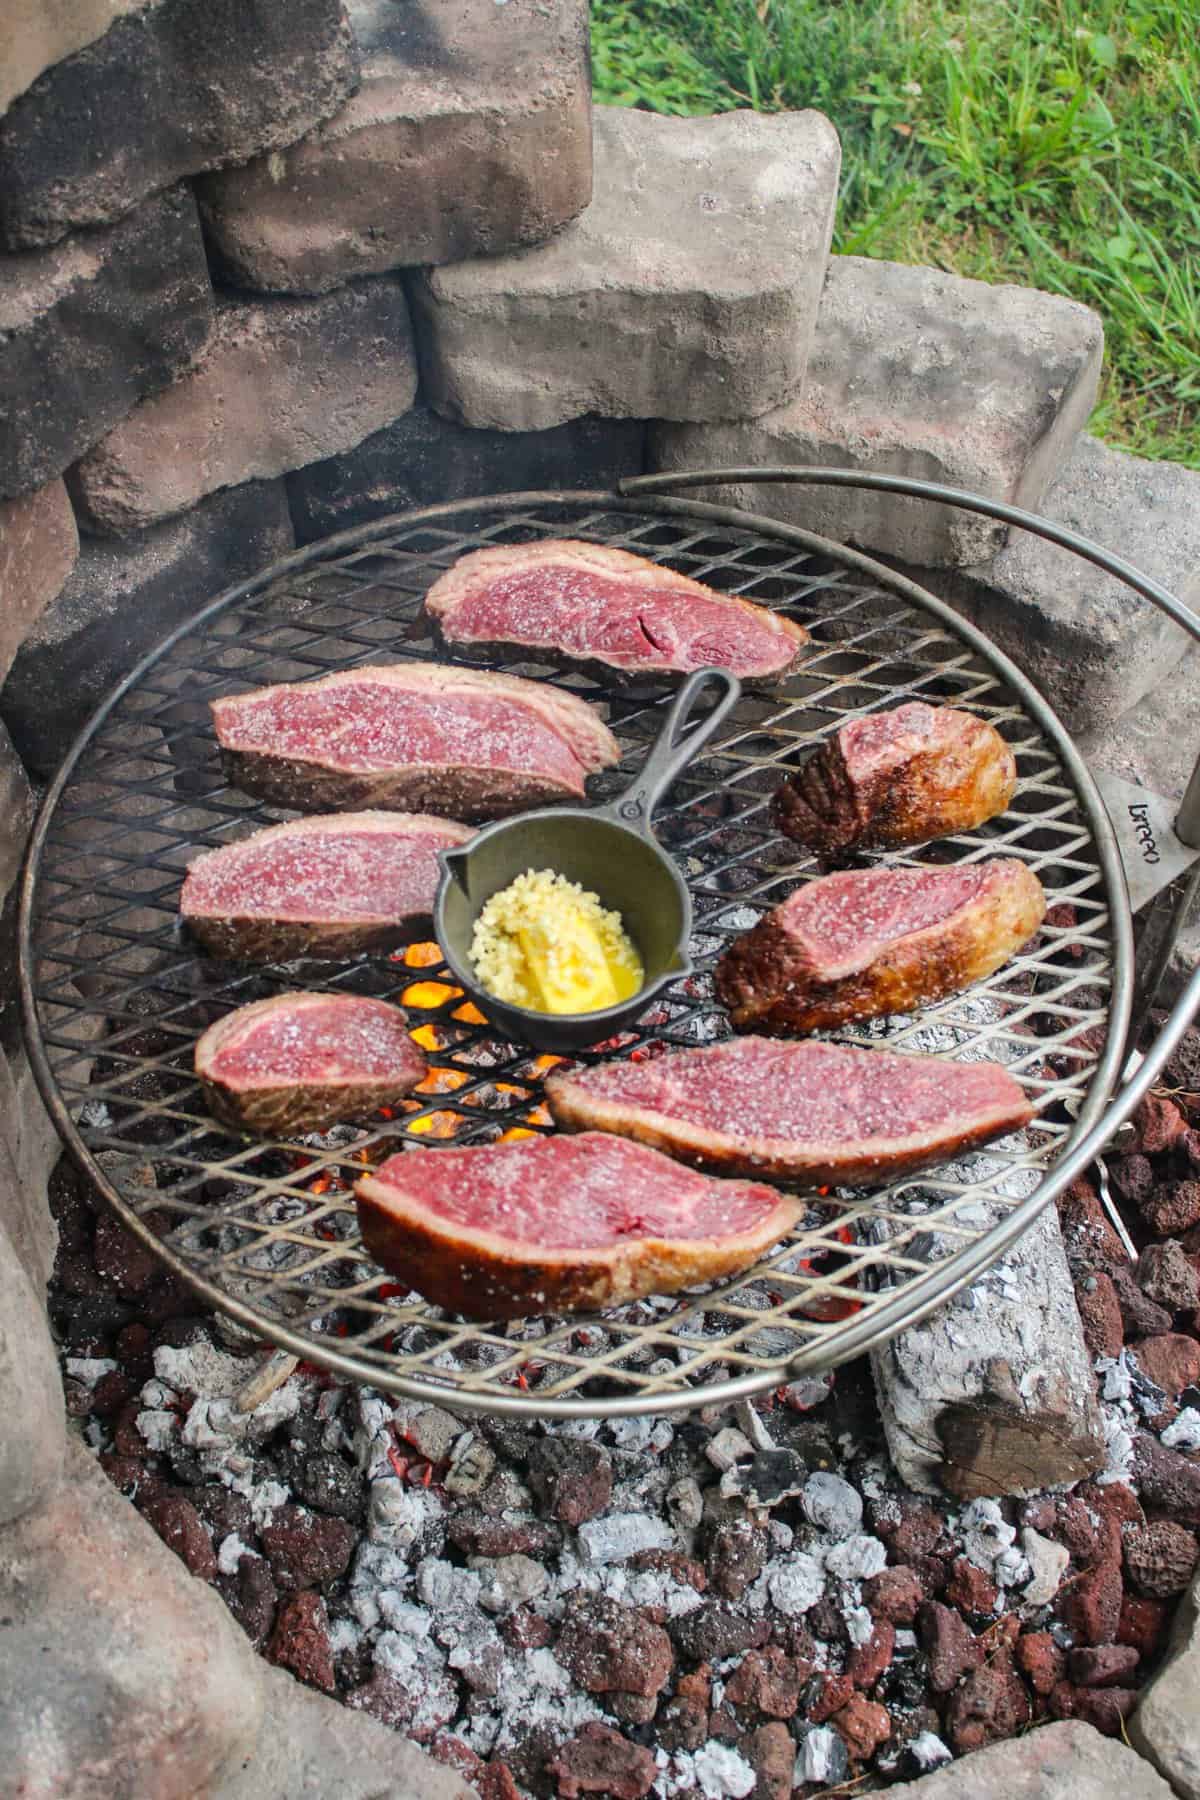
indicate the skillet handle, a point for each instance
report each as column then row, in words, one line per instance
column 676, row 745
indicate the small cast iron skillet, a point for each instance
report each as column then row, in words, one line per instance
column 612, row 852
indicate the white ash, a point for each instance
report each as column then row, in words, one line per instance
column 1183, row 1433
column 986, row 1533
column 373, row 1433
column 201, row 1369
column 1011, row 1569
column 231, row 1552
column 685, row 1503
column 95, row 1436
column 344, row 1636
column 534, row 1690
column 795, row 1583
column 859, row 1625
column 400, row 1516
column 831, row 1504
column 929, row 1751
column 1047, row 1565
column 1118, row 1377
column 822, row 1757
column 618, row 1536
column 156, row 1394
column 781, row 1534
column 509, row 1581
column 719, row 1771
column 728, row 1447
column 160, row 1429
column 89, row 1369
column 856, row 1558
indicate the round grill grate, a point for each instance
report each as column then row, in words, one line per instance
column 267, row 1231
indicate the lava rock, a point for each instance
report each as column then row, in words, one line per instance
column 1172, row 1209
column 895, row 1594
column 1091, row 1607
column 832, row 1693
column 252, row 1597
column 774, row 1476
column 1140, row 1315
column 1104, row 1666
column 1042, row 1661
column 1167, row 1480
column 766, row 1681
column 300, row 1641
column 572, row 1477
column 867, row 1662
column 1160, row 1558
column 1144, row 1624
column 712, row 1632
column 737, row 1551
column 1158, row 1125
column 970, row 1589
column 181, row 1528
column 1165, row 1273
column 991, row 1704
column 325, row 1482
column 1100, row 1314
column 598, row 1760
column 772, row 1755
column 862, row 1727
column 1133, row 1177
column 525, row 1629
column 1171, row 1361
column 306, row 1549
column 682, row 1723
column 1090, row 1240
column 479, row 1535
column 949, row 1643
column 1105, row 1709
column 919, row 1532
column 610, row 1648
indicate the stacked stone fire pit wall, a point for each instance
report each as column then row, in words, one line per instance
column 272, row 269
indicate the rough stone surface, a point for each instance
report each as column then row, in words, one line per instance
column 688, row 289
column 423, row 459
column 1166, row 1725
column 33, row 1437
column 279, row 383
column 915, row 372
column 32, row 1143
column 469, row 136
column 310, row 1747
column 1092, row 645
column 1052, row 1763
column 995, row 1397
column 38, row 547
column 90, row 327
column 122, row 598
column 192, row 84
column 103, row 1693
column 34, row 34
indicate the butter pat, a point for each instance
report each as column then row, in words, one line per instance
column 546, row 944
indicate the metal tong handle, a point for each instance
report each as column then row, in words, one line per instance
column 676, row 744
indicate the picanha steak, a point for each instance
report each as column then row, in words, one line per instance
column 326, row 886
column 822, row 1114
column 615, row 614
column 899, row 777
column 560, row 1224
column 421, row 736
column 303, row 1062
column 863, row 942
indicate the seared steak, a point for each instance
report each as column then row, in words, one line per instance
column 821, row 1114
column 870, row 941
column 302, row 1062
column 560, row 1224
column 421, row 736
column 615, row 614
column 327, row 886
column 898, row 777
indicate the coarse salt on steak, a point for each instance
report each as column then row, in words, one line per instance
column 863, row 942
column 616, row 614
column 303, row 1062
column 422, row 736
column 326, row 886
column 900, row 777
column 823, row 1114
column 560, row 1224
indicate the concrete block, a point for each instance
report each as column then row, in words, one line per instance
column 915, row 372
column 470, row 135
column 310, row 1747
column 122, row 1674
column 1092, row 645
column 422, row 459
column 38, row 547
column 33, row 1441
column 1071, row 1761
column 29, row 1140
column 122, row 598
column 279, row 383
column 88, row 328
column 688, row 289
column 173, row 88
column 1166, row 1726
column 34, row 34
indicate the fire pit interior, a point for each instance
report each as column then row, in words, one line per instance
column 268, row 1231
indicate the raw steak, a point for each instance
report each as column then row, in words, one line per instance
column 616, row 614
column 424, row 736
column 870, row 941
column 822, row 1114
column 898, row 777
column 560, row 1224
column 327, row 886
column 302, row 1062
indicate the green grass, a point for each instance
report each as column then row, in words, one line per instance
column 1042, row 142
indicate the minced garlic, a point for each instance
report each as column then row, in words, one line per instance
column 546, row 944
